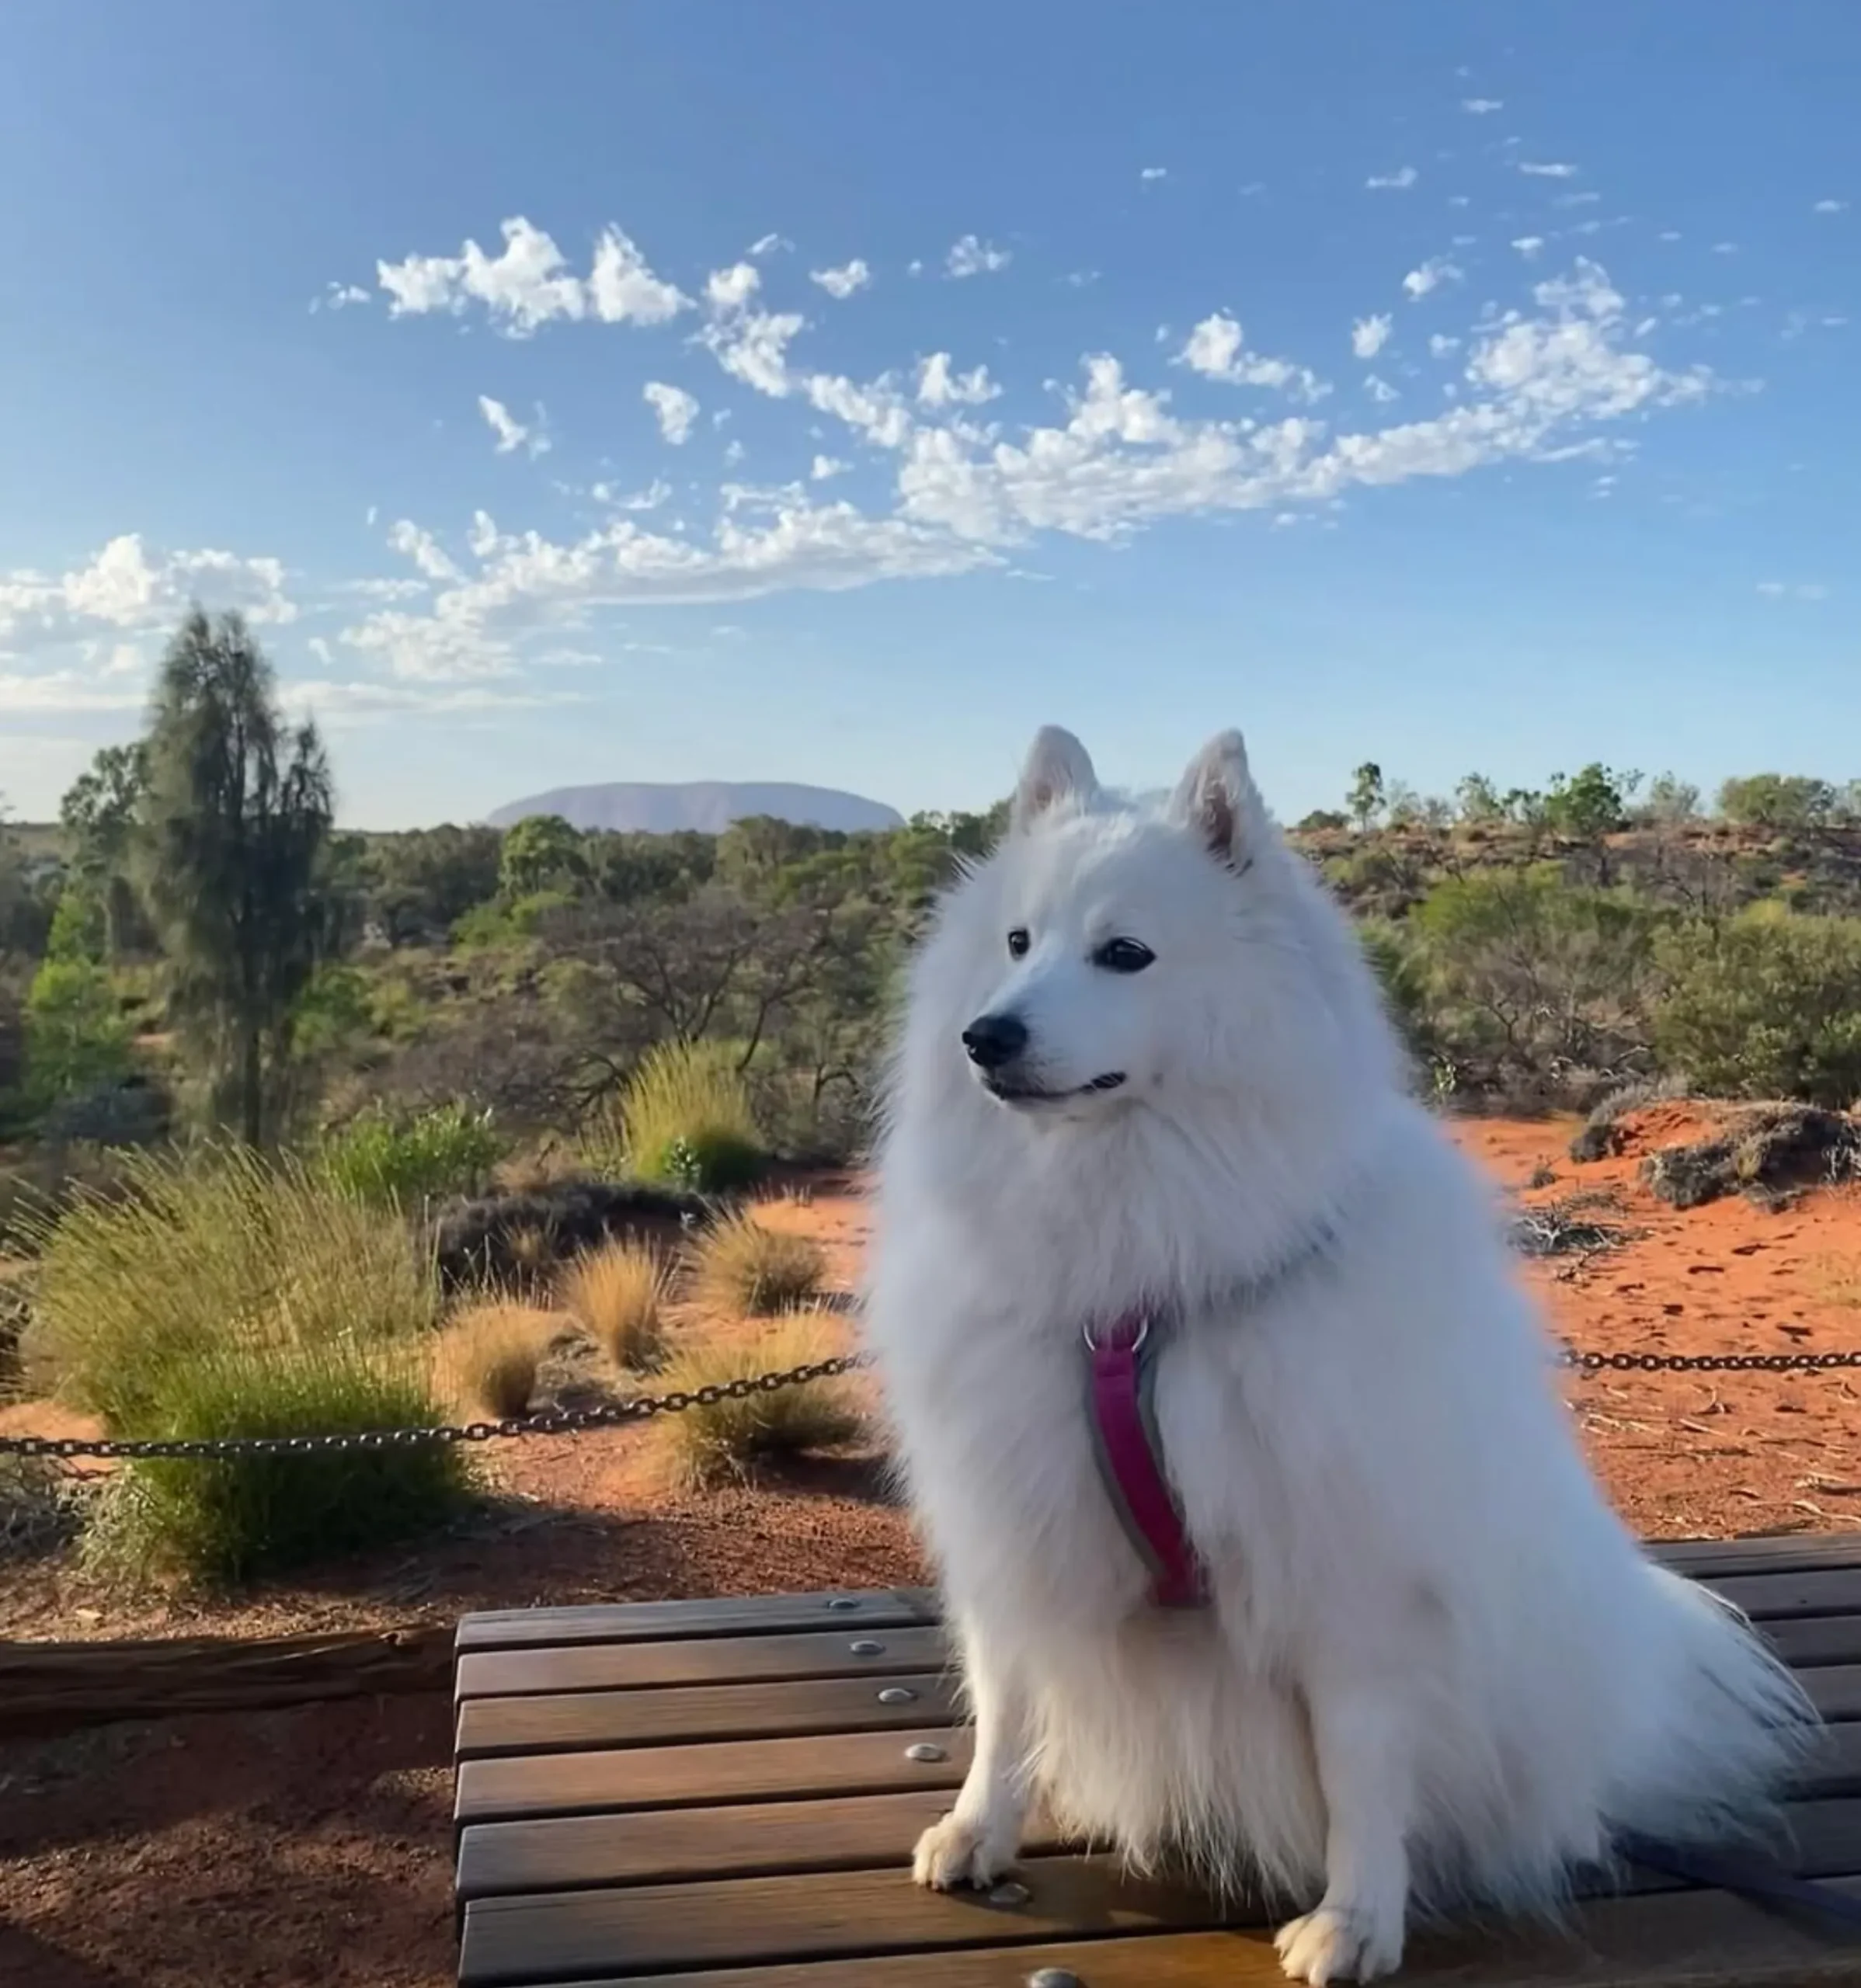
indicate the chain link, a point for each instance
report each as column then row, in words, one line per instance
column 550, row 1422
column 642, row 1408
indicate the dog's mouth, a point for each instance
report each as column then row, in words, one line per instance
column 1008, row 1092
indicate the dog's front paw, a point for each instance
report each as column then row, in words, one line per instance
column 955, row 1852
column 1339, row 1943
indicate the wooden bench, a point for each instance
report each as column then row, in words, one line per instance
column 724, row 1794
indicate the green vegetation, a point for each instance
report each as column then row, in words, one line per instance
column 407, row 1162
column 685, row 1119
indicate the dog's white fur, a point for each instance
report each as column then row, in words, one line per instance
column 1436, row 1668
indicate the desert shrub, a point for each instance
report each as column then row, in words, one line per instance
column 404, row 1163
column 713, row 1442
column 740, row 1267
column 510, row 1239
column 1599, row 1136
column 1767, row 1153
column 1537, row 989
column 685, row 1120
column 224, row 1521
column 187, row 1257
column 1763, row 1004
column 617, row 1294
column 489, row 1357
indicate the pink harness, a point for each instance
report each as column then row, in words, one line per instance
column 1121, row 1368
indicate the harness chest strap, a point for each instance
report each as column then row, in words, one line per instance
column 1121, row 1376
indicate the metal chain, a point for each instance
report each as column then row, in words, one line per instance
column 550, row 1422
column 642, row 1408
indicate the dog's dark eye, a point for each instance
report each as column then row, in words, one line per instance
column 1123, row 956
column 1018, row 942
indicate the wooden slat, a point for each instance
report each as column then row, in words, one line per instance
column 1700, row 1559
column 583, row 1853
column 1697, row 1940
column 580, row 1852
column 583, row 1721
column 815, row 1917
column 732, row 1615
column 1809, row 1641
column 1777, row 1597
column 688, row 1777
column 709, row 1661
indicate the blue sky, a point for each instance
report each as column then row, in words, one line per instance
column 835, row 393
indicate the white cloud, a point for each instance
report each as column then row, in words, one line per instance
column 623, row 290
column 1481, row 106
column 529, row 284
column 1529, row 246
column 127, row 588
column 512, row 433
column 767, row 244
column 972, row 257
column 1830, row 207
column 1368, row 335
column 1725, row 248
column 1398, row 181
column 1555, row 170
column 1430, row 277
column 1217, row 350
column 339, row 297
column 937, row 386
column 422, row 548
column 1792, row 590
column 339, row 705
column 1440, row 345
column 57, row 690
column 1539, row 385
column 675, row 410
column 1669, row 234
column 753, row 347
column 1153, row 172
column 841, row 283
column 528, row 585
column 731, row 289
column 1380, row 389
column 825, row 467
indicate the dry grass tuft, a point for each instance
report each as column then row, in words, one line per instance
column 488, row 1359
column 617, row 1293
column 716, row 1442
column 739, row 1268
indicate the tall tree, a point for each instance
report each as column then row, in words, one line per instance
column 99, row 814
column 234, row 847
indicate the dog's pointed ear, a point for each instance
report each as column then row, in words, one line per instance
column 1058, row 768
column 1217, row 800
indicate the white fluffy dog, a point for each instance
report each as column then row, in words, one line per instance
column 1145, row 1071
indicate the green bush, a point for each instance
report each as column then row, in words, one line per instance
column 403, row 1162
column 686, row 1119
column 224, row 1521
column 76, row 1039
column 180, row 1259
column 1766, row 1004
column 1535, row 988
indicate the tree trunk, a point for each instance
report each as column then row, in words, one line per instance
column 252, row 1087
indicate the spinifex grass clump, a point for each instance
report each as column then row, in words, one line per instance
column 489, row 1356
column 739, row 1266
column 617, row 1294
column 711, row 1443
column 227, row 1295
column 686, row 1119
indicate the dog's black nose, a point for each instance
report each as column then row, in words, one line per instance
column 994, row 1040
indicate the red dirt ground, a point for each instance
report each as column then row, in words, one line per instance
column 312, row 1846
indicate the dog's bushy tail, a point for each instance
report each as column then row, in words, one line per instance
column 1722, row 1742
